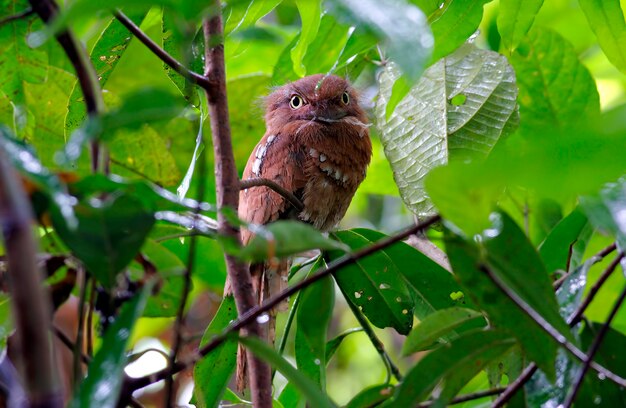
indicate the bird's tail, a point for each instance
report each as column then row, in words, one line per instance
column 268, row 279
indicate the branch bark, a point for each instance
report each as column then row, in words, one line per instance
column 31, row 303
column 227, row 186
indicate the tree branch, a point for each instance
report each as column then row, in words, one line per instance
column 250, row 316
column 4, row 20
column 31, row 303
column 464, row 398
column 549, row 329
column 86, row 73
column 262, row 182
column 163, row 55
column 595, row 346
column 227, row 189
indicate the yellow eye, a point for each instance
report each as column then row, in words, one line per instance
column 296, row 102
column 345, row 98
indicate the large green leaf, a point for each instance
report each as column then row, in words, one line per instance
column 20, row 63
column 400, row 26
column 460, row 108
column 103, row 384
column 504, row 251
column 241, row 14
column 432, row 287
column 310, row 16
column 105, row 55
column 556, row 91
column 371, row 396
column 109, row 234
column 455, row 364
column 606, row 19
column 515, row 18
column 452, row 22
column 211, row 374
column 375, row 284
column 308, row 388
column 315, row 310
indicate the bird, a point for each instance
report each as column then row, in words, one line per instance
column 317, row 147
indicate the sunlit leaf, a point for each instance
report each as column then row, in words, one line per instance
column 460, row 108
column 606, row 19
column 211, row 374
column 515, row 18
column 310, row 15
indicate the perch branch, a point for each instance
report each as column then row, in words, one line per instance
column 262, row 182
column 227, row 189
column 31, row 303
column 250, row 316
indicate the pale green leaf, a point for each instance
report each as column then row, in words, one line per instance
column 606, row 19
column 310, row 15
column 515, row 19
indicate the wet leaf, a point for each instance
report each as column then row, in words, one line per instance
column 605, row 211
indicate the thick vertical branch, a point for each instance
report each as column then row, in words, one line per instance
column 227, row 186
column 31, row 303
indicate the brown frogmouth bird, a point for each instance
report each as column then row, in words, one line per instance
column 317, row 147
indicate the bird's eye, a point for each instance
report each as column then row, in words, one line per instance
column 296, row 102
column 345, row 98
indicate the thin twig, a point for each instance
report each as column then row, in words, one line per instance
column 69, row 344
column 464, row 398
column 262, row 182
column 28, row 12
column 179, row 323
column 595, row 346
column 163, row 55
column 599, row 256
column 575, row 318
column 515, row 386
column 250, row 316
column 78, row 372
column 549, row 329
column 227, row 192
column 92, row 304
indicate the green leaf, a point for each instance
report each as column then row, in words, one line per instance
column 429, row 127
column 606, row 19
column 311, row 392
column 454, row 23
column 555, row 89
column 556, row 249
column 106, row 371
column 505, row 251
column 455, row 364
column 432, row 287
column 435, row 326
column 375, row 285
column 606, row 211
column 6, row 320
column 105, row 54
column 20, row 63
column 371, row 396
column 310, row 15
column 243, row 14
column 400, row 26
column 313, row 317
column 515, row 18
column 285, row 238
column 211, row 374
column 109, row 234
column 333, row 344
